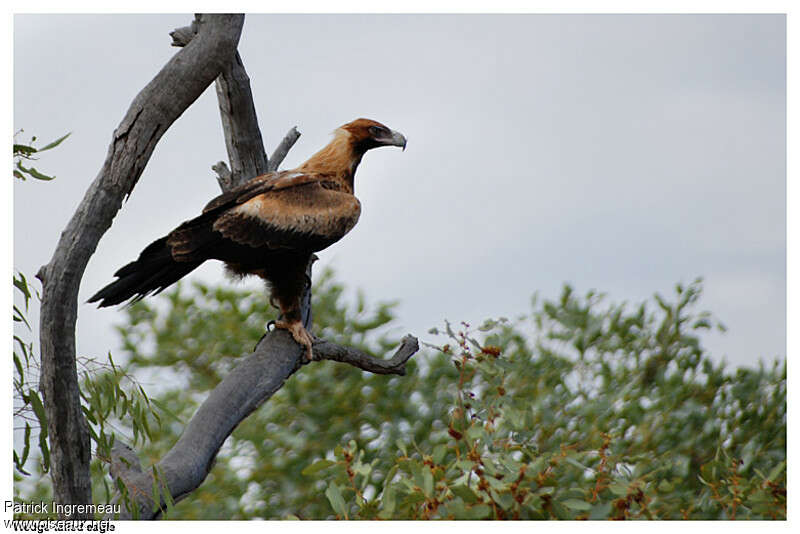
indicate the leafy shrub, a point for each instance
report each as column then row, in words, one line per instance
column 600, row 414
column 583, row 410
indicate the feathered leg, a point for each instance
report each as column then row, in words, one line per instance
column 287, row 281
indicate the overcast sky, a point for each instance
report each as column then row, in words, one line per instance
column 618, row 153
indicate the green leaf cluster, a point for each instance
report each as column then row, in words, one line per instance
column 27, row 152
column 113, row 402
column 28, row 407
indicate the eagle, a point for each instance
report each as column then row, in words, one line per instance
column 269, row 226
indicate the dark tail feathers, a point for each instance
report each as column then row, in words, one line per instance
column 152, row 272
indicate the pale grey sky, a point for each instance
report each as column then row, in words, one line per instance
column 621, row 153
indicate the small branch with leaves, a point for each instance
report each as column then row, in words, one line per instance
column 27, row 153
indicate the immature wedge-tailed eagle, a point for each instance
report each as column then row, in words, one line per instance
column 268, row 226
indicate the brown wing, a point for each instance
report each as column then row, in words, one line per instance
column 285, row 210
column 296, row 213
column 258, row 185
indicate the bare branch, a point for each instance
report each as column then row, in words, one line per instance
column 283, row 148
column 224, row 176
column 124, row 461
column 182, row 36
column 154, row 109
column 240, row 123
column 277, row 357
column 239, row 120
column 243, row 390
column 325, row 350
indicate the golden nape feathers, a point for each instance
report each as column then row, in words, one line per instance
column 268, row 226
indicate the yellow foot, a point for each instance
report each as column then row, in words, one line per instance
column 299, row 333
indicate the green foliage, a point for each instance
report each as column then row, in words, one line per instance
column 584, row 410
column 113, row 402
column 111, row 397
column 27, row 152
column 576, row 422
column 201, row 336
column 28, row 407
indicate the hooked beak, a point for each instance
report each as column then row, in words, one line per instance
column 396, row 139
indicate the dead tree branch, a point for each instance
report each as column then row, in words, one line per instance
column 154, row 109
column 244, row 389
column 250, row 384
column 325, row 350
column 224, row 175
column 239, row 123
column 283, row 148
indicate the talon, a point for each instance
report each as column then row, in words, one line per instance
column 300, row 335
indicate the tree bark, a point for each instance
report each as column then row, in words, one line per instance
column 283, row 148
column 237, row 110
column 240, row 124
column 154, row 109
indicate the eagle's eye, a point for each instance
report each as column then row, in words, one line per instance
column 376, row 131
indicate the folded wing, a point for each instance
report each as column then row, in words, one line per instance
column 285, row 211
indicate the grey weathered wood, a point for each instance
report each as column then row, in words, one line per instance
column 237, row 111
column 283, row 148
column 124, row 461
column 252, row 382
column 182, row 36
column 244, row 389
column 396, row 365
column 154, row 109
column 239, row 123
column 224, row 176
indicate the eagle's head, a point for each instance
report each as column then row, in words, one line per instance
column 343, row 154
column 366, row 134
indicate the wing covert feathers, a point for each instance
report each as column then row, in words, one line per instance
column 302, row 217
column 260, row 185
